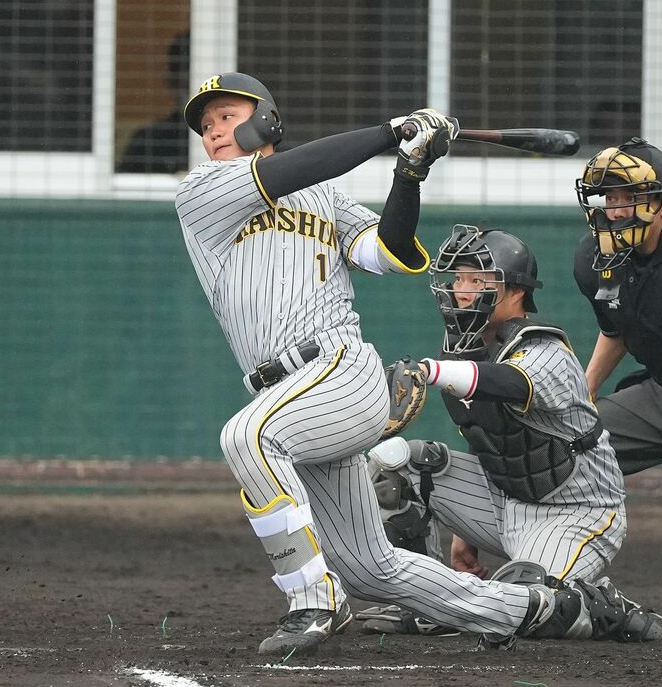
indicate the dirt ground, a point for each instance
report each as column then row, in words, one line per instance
column 101, row 585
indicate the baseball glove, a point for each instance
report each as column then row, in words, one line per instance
column 407, row 384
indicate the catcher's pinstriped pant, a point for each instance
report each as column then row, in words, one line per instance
column 299, row 442
column 568, row 539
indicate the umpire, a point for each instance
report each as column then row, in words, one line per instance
column 618, row 267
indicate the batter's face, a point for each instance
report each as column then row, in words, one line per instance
column 220, row 118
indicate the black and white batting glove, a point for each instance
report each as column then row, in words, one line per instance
column 426, row 137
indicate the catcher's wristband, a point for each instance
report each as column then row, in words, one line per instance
column 457, row 377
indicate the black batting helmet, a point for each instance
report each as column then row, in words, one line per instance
column 634, row 167
column 264, row 126
column 486, row 250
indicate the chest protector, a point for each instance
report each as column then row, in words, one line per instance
column 525, row 463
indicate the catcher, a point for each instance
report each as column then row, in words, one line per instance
column 541, row 486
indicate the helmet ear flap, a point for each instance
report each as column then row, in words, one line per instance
column 264, row 126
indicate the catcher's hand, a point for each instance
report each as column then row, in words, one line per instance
column 426, row 137
column 407, row 384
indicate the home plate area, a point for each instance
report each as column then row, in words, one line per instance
column 172, row 589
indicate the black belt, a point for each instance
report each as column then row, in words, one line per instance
column 587, row 441
column 271, row 372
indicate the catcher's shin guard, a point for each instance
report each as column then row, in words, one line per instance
column 553, row 612
column 616, row 617
column 284, row 529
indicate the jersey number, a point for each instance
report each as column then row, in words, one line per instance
column 321, row 258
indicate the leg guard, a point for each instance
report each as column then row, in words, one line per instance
column 615, row 617
column 284, row 529
column 554, row 612
column 405, row 526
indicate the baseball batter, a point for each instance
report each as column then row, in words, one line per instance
column 272, row 246
column 542, row 484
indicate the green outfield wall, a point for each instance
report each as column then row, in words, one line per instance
column 110, row 349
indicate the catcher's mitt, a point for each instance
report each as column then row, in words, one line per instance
column 407, row 385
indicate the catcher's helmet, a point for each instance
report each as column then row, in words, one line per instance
column 486, row 250
column 634, row 167
column 264, row 126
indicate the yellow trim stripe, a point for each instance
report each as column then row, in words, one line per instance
column 320, row 378
column 525, row 408
column 258, row 181
column 261, row 511
column 590, row 537
column 396, row 261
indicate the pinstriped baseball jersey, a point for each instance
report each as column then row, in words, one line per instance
column 275, row 272
column 559, row 405
column 577, row 529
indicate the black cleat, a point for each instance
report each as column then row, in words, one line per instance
column 305, row 630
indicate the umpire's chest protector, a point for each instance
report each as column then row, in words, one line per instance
column 525, row 463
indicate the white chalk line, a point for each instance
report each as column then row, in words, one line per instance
column 448, row 668
column 162, row 678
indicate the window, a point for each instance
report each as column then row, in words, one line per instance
column 565, row 64
column 334, row 66
column 46, row 52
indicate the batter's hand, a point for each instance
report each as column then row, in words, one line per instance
column 426, row 137
column 464, row 558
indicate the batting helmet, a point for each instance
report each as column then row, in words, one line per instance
column 485, row 250
column 264, row 125
column 635, row 167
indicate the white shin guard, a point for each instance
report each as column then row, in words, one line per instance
column 284, row 529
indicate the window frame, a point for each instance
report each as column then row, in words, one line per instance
column 455, row 181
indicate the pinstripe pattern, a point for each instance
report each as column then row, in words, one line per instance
column 276, row 275
column 266, row 289
column 578, row 530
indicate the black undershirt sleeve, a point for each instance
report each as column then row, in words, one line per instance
column 399, row 219
column 499, row 382
column 321, row 160
column 332, row 156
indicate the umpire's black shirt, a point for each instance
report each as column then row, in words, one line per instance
column 636, row 313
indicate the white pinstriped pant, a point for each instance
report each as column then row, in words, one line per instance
column 303, row 437
column 569, row 540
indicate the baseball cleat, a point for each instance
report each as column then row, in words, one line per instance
column 305, row 630
column 396, row 620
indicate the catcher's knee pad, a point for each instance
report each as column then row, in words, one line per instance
column 284, row 529
column 407, row 525
column 431, row 457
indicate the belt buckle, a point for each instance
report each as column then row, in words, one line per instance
column 267, row 376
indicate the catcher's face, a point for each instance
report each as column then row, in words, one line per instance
column 220, row 118
column 469, row 283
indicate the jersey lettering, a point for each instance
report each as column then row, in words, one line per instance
column 306, row 224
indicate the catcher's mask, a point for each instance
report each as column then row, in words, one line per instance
column 264, row 125
column 633, row 170
column 504, row 258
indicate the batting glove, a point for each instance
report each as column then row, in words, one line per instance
column 426, row 137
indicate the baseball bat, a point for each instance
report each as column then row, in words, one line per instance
column 546, row 141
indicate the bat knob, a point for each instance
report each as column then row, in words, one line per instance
column 409, row 131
